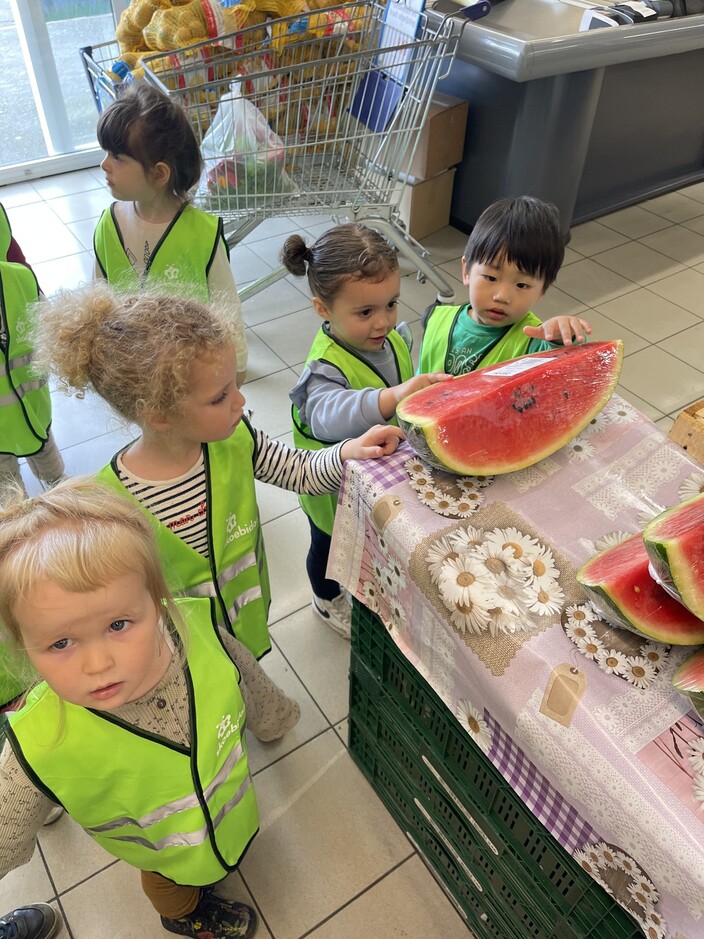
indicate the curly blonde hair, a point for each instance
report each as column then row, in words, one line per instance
column 135, row 351
column 81, row 535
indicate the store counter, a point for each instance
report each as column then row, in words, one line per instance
column 592, row 121
column 579, row 718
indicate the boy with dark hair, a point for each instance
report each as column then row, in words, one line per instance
column 513, row 255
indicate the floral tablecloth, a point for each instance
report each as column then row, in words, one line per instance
column 474, row 578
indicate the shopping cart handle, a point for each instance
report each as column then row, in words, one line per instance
column 474, row 10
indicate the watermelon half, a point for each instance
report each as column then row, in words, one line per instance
column 675, row 544
column 689, row 677
column 513, row 414
column 618, row 583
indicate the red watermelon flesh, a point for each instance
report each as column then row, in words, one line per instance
column 689, row 677
column 512, row 414
column 675, row 544
column 619, row 585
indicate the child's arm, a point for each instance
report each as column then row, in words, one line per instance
column 23, row 810
column 390, row 398
column 317, row 472
column 563, row 330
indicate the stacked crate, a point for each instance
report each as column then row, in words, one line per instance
column 506, row 874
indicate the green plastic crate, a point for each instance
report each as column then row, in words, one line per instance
column 467, row 797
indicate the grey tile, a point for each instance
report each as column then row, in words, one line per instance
column 643, row 406
column 286, row 539
column 645, row 314
column 261, row 360
column 660, row 379
column 269, row 402
column 593, row 237
column 678, row 242
column 278, row 300
column 111, row 904
column 27, row 884
column 686, row 289
column 590, row 283
column 675, row 207
column 635, row 221
column 71, row 854
column 324, row 837
column 687, row 345
column 557, row 303
column 604, row 328
column 291, row 336
column 638, row 262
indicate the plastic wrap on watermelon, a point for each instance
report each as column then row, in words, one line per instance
column 689, row 677
column 513, row 414
column 618, row 583
column 675, row 545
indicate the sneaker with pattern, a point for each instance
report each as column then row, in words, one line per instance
column 215, row 918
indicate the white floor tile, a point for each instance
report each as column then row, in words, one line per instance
column 65, row 273
column 290, row 337
column 79, row 205
column 268, row 400
column 279, row 300
column 53, row 187
column 287, row 539
column 71, row 855
column 27, row 884
column 324, row 837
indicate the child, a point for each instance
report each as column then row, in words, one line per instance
column 358, row 369
column 152, row 236
column 137, row 728
column 25, row 401
column 513, row 255
column 168, row 365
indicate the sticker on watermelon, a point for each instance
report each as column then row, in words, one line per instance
column 513, row 414
column 618, row 583
column 675, row 544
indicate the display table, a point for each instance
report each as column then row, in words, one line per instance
column 580, row 719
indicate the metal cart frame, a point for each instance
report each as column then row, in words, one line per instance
column 306, row 114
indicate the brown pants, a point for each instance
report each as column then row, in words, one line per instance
column 169, row 899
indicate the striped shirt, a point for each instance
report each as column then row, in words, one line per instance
column 180, row 503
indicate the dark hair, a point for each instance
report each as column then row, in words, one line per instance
column 350, row 251
column 148, row 126
column 523, row 231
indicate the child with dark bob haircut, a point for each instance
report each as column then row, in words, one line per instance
column 513, row 255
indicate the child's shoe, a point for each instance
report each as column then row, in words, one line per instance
column 336, row 613
column 215, row 918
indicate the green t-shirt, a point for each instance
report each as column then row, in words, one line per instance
column 472, row 340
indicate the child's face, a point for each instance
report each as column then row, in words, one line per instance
column 99, row 649
column 363, row 312
column 126, row 178
column 500, row 294
column 215, row 405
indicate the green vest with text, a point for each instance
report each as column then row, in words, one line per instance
column 235, row 574
column 178, row 264
column 437, row 340
column 25, row 402
column 187, row 813
column 359, row 374
column 5, row 233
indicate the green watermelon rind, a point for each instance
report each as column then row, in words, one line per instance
column 425, row 443
column 686, row 678
column 670, row 564
column 616, row 612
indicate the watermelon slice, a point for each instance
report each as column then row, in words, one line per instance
column 513, row 414
column 689, row 677
column 618, row 583
column 675, row 543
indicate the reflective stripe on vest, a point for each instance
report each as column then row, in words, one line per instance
column 236, row 573
column 25, row 402
column 181, row 259
column 436, row 343
column 187, row 813
column 359, row 374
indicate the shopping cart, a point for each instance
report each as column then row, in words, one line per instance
column 309, row 114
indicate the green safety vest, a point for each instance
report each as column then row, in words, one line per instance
column 235, row 574
column 5, row 233
column 437, row 340
column 185, row 812
column 25, row 402
column 359, row 374
column 181, row 259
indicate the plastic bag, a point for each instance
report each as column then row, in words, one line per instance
column 243, row 157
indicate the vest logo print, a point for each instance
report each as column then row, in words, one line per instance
column 171, row 272
column 225, row 730
column 235, row 530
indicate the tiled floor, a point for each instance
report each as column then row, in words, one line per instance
column 329, row 862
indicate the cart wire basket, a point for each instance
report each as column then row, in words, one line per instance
column 309, row 114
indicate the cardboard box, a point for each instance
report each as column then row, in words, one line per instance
column 688, row 430
column 425, row 204
column 441, row 143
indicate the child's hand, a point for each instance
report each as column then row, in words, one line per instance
column 379, row 440
column 564, row 329
column 390, row 397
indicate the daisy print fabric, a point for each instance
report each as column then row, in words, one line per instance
column 445, row 493
column 499, row 580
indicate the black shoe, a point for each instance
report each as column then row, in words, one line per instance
column 39, row 921
column 214, row 918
